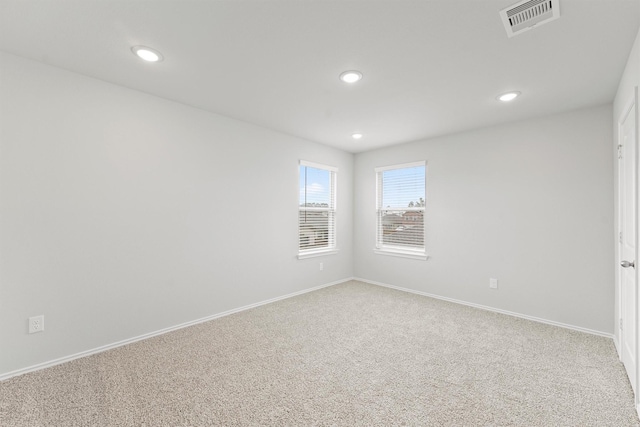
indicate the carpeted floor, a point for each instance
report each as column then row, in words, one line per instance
column 349, row 355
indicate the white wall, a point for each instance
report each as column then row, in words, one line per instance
column 122, row 213
column 529, row 203
column 628, row 83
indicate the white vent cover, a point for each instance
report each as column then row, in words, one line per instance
column 527, row 14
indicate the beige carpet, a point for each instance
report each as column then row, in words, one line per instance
column 349, row 355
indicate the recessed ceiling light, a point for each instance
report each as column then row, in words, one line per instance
column 351, row 76
column 356, row 135
column 509, row 96
column 148, row 54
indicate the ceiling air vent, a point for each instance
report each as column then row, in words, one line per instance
column 528, row 14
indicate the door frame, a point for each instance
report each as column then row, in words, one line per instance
column 633, row 102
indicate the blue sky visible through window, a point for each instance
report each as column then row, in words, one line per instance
column 403, row 186
column 315, row 187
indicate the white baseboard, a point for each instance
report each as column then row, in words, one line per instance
column 100, row 349
column 37, row 367
column 495, row 310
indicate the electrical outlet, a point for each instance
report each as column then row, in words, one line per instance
column 36, row 324
column 321, row 266
column 493, row 283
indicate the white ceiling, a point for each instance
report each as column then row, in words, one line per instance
column 430, row 67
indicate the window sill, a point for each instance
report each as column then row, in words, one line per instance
column 402, row 254
column 312, row 254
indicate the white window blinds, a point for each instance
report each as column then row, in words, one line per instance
column 400, row 208
column 317, row 208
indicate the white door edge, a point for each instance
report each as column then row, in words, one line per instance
column 619, row 343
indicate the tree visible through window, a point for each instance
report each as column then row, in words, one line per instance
column 317, row 208
column 401, row 208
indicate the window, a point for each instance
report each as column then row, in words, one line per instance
column 316, row 210
column 400, row 207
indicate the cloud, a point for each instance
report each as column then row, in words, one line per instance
column 316, row 193
column 315, row 188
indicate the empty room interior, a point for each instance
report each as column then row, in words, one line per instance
column 315, row 212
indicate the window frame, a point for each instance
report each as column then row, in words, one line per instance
column 394, row 250
column 332, row 238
